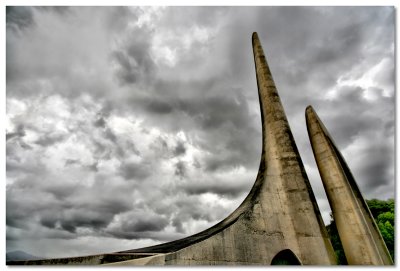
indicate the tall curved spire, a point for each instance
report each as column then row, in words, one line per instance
column 287, row 195
column 359, row 234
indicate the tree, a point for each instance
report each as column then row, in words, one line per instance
column 377, row 206
column 383, row 213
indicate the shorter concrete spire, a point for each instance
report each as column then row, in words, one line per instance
column 359, row 234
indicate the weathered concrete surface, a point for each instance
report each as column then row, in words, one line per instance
column 359, row 234
column 279, row 220
column 158, row 259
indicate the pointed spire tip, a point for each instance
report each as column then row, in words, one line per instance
column 254, row 37
column 310, row 113
column 309, row 110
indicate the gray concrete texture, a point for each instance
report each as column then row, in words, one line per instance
column 359, row 234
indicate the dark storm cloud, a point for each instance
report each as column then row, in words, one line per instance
column 52, row 222
column 100, row 123
column 50, row 139
column 186, row 208
column 117, row 147
column 220, row 162
column 211, row 117
column 190, row 207
column 20, row 132
column 72, row 219
column 119, row 17
column 346, row 124
column 225, row 130
column 94, row 166
column 180, row 169
column 313, row 57
column 376, row 168
column 389, row 128
column 20, row 210
column 56, row 52
column 71, row 162
column 180, row 149
column 110, row 135
column 146, row 224
column 158, row 236
column 159, row 107
column 127, row 74
column 61, row 192
column 70, row 208
column 135, row 171
column 363, row 116
column 15, row 217
column 93, row 220
column 103, row 203
column 75, row 162
column 100, row 149
column 229, row 190
column 139, row 225
column 15, row 165
column 59, row 9
column 177, row 223
column 133, row 59
column 19, row 17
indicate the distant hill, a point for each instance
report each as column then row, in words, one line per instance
column 20, row 256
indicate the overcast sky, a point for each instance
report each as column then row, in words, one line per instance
column 128, row 127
